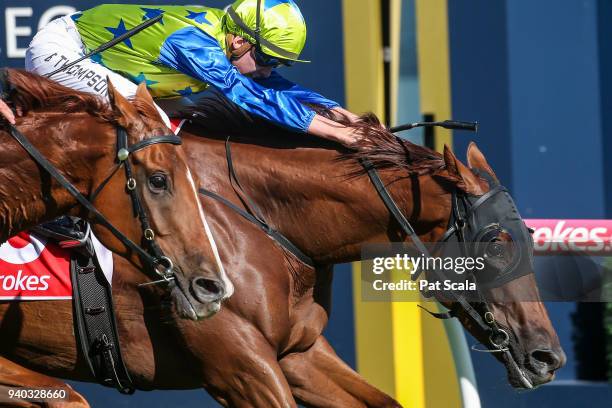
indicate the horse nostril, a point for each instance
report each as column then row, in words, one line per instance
column 546, row 357
column 207, row 290
column 209, row 285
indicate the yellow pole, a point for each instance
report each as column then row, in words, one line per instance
column 406, row 330
column 363, row 56
column 398, row 348
column 364, row 87
column 396, row 25
column 433, row 63
column 435, row 96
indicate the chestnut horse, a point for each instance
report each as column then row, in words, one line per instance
column 78, row 134
column 265, row 349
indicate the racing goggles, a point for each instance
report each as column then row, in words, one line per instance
column 264, row 60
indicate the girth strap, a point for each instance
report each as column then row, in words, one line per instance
column 95, row 325
column 94, row 317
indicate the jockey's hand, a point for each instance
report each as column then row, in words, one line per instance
column 7, row 112
column 342, row 113
column 328, row 129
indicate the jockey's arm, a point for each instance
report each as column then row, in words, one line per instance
column 320, row 126
column 198, row 55
column 7, row 112
column 304, row 95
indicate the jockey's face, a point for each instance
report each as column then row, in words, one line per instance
column 246, row 63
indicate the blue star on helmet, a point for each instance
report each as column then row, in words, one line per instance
column 152, row 13
column 76, row 16
column 198, row 17
column 272, row 3
column 97, row 58
column 119, row 31
column 142, row 78
column 185, row 92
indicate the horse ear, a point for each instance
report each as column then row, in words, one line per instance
column 144, row 103
column 127, row 116
column 461, row 175
column 476, row 160
column 143, row 94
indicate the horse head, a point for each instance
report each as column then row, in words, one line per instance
column 161, row 210
column 506, row 314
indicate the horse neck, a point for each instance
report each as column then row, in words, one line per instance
column 306, row 195
column 74, row 145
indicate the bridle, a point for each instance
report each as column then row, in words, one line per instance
column 457, row 226
column 152, row 255
column 463, row 210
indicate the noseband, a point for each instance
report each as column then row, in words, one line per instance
column 152, row 255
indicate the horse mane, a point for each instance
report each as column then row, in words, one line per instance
column 31, row 92
column 384, row 150
column 219, row 116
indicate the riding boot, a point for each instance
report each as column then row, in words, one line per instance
column 68, row 232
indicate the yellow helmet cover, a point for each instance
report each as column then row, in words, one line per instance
column 281, row 26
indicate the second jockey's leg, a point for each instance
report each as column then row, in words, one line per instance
column 59, row 43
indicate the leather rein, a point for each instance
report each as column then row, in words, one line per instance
column 252, row 212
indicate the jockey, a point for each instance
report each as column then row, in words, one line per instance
column 189, row 49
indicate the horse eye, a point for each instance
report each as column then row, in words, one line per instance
column 158, row 182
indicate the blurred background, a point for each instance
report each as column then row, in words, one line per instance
column 537, row 76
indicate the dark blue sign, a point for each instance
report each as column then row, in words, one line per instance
column 22, row 19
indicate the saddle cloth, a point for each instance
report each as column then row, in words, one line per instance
column 176, row 125
column 35, row 268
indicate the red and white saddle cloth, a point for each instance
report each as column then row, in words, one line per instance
column 32, row 268
column 176, row 125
